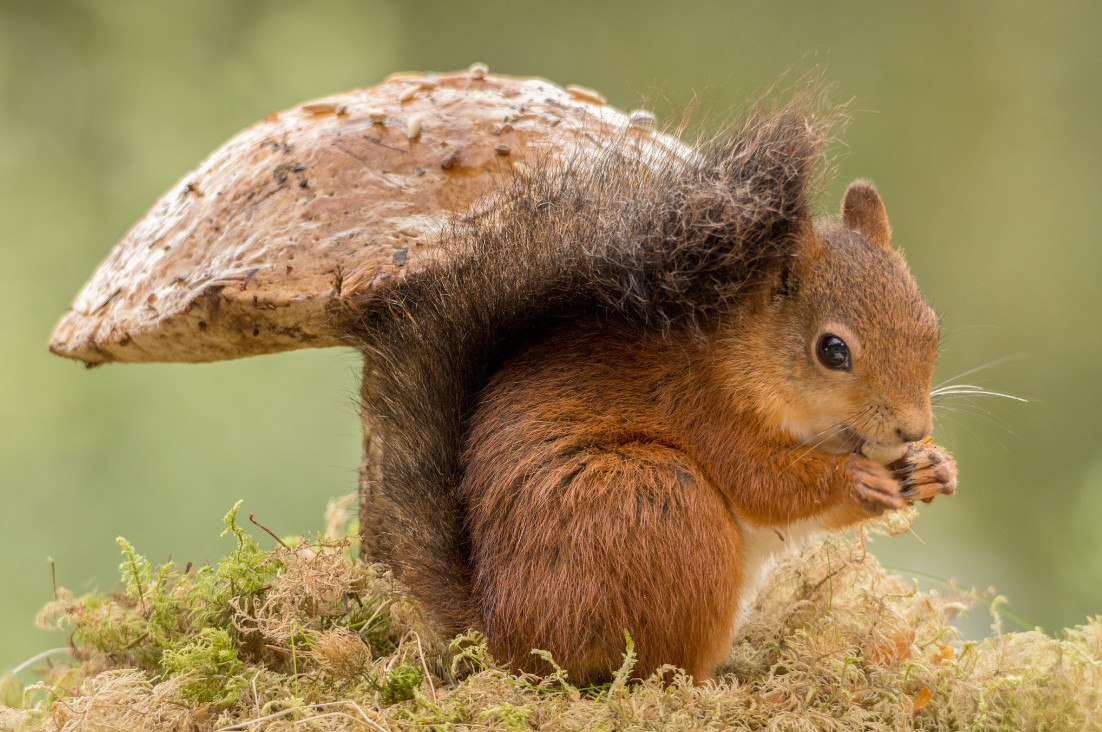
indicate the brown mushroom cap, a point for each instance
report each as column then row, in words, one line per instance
column 248, row 253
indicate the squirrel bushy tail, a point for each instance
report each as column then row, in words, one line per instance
column 661, row 245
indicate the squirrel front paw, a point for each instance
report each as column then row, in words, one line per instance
column 875, row 488
column 925, row 471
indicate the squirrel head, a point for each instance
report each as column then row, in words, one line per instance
column 842, row 344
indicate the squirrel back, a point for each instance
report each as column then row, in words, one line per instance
column 675, row 257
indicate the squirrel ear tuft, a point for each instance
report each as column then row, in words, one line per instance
column 863, row 211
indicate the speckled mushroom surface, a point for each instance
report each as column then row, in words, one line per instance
column 249, row 252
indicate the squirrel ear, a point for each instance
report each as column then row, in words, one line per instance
column 863, row 211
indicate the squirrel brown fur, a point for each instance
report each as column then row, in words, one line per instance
column 618, row 395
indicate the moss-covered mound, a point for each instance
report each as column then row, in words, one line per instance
column 306, row 637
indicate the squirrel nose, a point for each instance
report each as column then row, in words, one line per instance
column 915, row 431
column 910, row 434
column 913, row 425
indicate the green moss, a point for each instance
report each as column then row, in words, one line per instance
column 209, row 661
column 508, row 716
column 308, row 635
column 401, row 682
column 135, row 571
column 108, row 625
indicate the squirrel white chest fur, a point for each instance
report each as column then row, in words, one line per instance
column 763, row 546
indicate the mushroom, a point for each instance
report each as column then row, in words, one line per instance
column 250, row 252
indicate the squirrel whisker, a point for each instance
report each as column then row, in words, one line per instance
column 824, row 436
column 982, row 367
column 967, row 390
column 971, row 410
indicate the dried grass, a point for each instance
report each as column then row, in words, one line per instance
column 313, row 639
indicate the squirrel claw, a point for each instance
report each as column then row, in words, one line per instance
column 926, row 471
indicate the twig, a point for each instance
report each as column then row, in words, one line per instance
column 367, row 624
column 368, row 719
column 256, row 696
column 270, row 532
column 425, row 666
column 35, row 659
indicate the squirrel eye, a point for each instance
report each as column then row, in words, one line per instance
column 833, row 352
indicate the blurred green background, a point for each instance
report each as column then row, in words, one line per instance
column 979, row 122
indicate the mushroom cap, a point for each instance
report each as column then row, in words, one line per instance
column 248, row 253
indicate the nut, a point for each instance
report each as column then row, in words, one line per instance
column 883, row 455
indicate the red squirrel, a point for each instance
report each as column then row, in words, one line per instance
column 618, row 395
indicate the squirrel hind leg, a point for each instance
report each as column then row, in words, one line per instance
column 631, row 538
